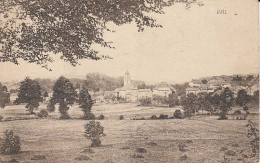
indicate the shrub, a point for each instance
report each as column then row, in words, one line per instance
column 145, row 101
column 10, row 144
column 153, row 117
column 141, row 150
column 64, row 116
column 1, row 118
column 93, row 131
column 101, row 117
column 121, row 117
column 43, row 113
column 162, row 116
column 89, row 116
column 177, row 114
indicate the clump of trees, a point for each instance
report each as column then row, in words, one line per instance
column 86, row 103
column 94, row 131
column 10, row 143
column 64, row 94
column 30, row 93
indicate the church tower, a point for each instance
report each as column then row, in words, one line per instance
column 127, row 80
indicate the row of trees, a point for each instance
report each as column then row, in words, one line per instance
column 64, row 94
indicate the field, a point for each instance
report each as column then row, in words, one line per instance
column 198, row 139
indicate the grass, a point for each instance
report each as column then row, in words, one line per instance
column 63, row 140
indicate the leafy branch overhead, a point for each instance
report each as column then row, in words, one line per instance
column 32, row 30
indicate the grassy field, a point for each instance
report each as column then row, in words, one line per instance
column 198, row 139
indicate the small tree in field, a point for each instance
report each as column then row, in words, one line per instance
column 86, row 103
column 177, row 114
column 64, row 94
column 94, row 131
column 30, row 93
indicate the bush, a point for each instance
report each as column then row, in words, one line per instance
column 153, row 117
column 177, row 114
column 101, row 117
column 162, row 116
column 89, row 116
column 1, row 118
column 121, row 117
column 145, row 101
column 10, row 144
column 93, row 131
column 43, row 113
column 64, row 116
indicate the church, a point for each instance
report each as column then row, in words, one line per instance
column 131, row 93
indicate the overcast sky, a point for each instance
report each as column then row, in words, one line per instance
column 192, row 43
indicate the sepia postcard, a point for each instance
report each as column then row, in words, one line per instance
column 129, row 81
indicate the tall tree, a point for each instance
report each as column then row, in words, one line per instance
column 242, row 98
column 4, row 96
column 226, row 101
column 86, row 103
column 30, row 93
column 64, row 94
column 33, row 29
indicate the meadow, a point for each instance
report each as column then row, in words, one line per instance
column 196, row 139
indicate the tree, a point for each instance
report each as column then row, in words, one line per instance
column 226, row 101
column 86, row 103
column 64, row 94
column 33, row 29
column 173, row 100
column 4, row 96
column 30, row 93
column 204, row 81
column 242, row 98
column 93, row 131
column 188, row 104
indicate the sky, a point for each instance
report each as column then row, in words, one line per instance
column 193, row 43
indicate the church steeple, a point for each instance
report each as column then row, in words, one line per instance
column 127, row 80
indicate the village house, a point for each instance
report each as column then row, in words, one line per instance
column 163, row 89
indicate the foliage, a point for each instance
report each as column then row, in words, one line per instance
column 253, row 135
column 163, row 116
column 1, row 118
column 173, row 100
column 101, row 117
column 4, row 96
column 189, row 104
column 226, row 101
column 85, row 102
column 160, row 100
column 64, row 94
column 43, row 113
column 204, row 81
column 32, row 30
column 97, row 82
column 121, row 117
column 94, row 131
column 153, row 117
column 10, row 144
column 30, row 93
column 177, row 114
column 145, row 101
column 242, row 98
